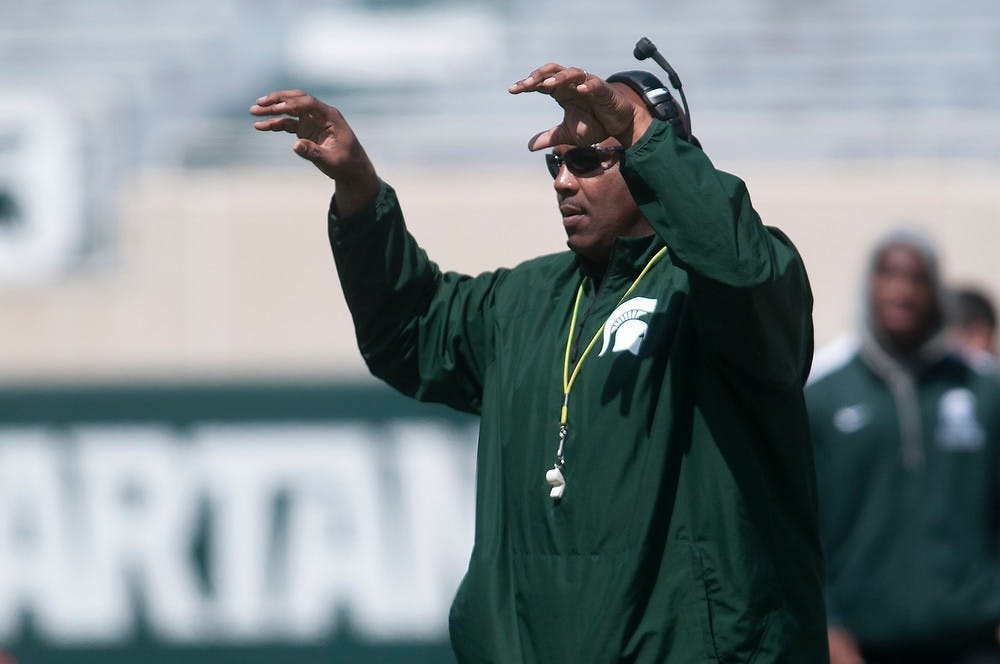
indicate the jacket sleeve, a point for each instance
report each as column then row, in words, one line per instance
column 750, row 295
column 426, row 333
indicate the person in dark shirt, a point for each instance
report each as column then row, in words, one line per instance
column 907, row 436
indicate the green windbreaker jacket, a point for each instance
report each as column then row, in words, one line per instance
column 688, row 528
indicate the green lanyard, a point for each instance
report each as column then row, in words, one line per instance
column 554, row 476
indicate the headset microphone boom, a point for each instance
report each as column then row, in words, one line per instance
column 656, row 95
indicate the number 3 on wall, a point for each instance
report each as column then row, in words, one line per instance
column 42, row 220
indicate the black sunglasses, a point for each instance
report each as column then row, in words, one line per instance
column 584, row 160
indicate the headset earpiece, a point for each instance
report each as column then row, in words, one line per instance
column 659, row 101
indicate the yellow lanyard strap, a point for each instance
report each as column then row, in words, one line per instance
column 568, row 379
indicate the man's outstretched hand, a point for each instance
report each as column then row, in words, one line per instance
column 325, row 139
column 593, row 109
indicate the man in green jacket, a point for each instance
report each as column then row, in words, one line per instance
column 645, row 484
column 907, row 436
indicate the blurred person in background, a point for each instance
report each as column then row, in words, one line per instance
column 678, row 521
column 907, row 436
column 974, row 325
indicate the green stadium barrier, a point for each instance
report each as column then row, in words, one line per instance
column 230, row 523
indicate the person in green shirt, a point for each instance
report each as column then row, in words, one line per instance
column 907, row 436
column 645, row 481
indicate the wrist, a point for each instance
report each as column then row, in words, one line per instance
column 640, row 120
column 636, row 131
column 353, row 193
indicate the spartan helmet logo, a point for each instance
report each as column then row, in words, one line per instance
column 626, row 326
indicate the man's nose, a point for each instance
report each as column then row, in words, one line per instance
column 565, row 181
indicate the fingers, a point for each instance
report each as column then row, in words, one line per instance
column 549, row 78
column 576, row 90
column 289, row 124
column 327, row 162
column 278, row 96
column 530, row 82
column 541, row 140
column 843, row 647
column 325, row 158
column 286, row 102
column 307, row 149
column 315, row 153
column 550, row 138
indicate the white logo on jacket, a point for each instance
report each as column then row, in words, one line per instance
column 626, row 327
column 958, row 428
column 852, row 418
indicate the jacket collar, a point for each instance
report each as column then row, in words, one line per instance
column 629, row 256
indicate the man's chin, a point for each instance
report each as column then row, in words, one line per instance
column 587, row 251
column 902, row 327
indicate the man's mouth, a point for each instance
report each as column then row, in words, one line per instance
column 899, row 315
column 570, row 213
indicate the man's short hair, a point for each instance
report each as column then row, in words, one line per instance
column 971, row 306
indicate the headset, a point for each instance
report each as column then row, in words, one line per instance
column 659, row 100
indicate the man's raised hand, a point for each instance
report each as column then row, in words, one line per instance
column 593, row 109
column 325, row 139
